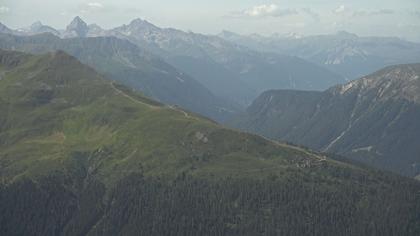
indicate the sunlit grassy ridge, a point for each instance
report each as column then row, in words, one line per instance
column 59, row 114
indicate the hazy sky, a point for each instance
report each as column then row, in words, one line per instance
column 364, row 17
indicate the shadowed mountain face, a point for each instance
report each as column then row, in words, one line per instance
column 347, row 54
column 82, row 155
column 77, row 28
column 228, row 70
column 374, row 120
column 124, row 62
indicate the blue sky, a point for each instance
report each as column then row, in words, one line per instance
column 364, row 17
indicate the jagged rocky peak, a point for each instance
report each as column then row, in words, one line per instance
column 402, row 81
column 36, row 25
column 140, row 23
column 77, row 21
column 38, row 28
column 78, row 27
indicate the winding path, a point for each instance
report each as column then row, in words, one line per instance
column 119, row 92
column 130, row 98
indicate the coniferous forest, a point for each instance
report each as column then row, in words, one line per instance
column 56, row 205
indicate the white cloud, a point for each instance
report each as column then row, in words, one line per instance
column 4, row 9
column 341, row 9
column 374, row 13
column 348, row 12
column 264, row 10
column 95, row 5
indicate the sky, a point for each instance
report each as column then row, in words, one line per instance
column 399, row 18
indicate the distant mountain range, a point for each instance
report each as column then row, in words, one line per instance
column 228, row 70
column 126, row 63
column 374, row 120
column 82, row 155
column 347, row 54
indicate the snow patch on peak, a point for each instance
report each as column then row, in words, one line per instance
column 340, row 54
column 180, row 80
column 366, row 149
column 345, row 88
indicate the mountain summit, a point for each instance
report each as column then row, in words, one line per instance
column 39, row 28
column 140, row 23
column 76, row 28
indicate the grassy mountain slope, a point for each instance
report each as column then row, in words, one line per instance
column 54, row 104
column 125, row 63
column 80, row 155
column 372, row 120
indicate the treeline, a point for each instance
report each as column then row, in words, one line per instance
column 194, row 206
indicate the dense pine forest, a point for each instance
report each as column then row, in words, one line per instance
column 138, row 205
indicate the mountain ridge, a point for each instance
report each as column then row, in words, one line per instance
column 371, row 120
